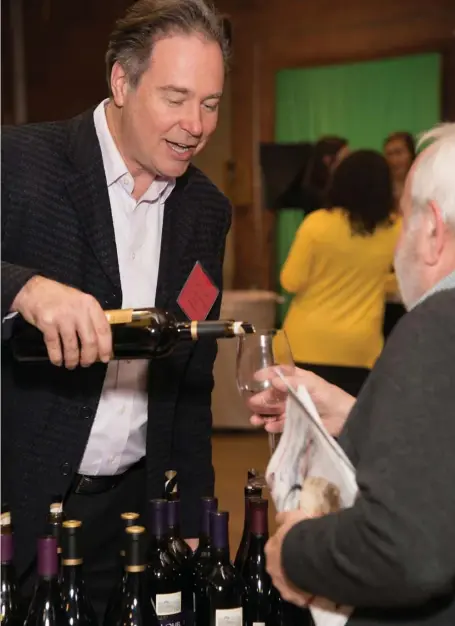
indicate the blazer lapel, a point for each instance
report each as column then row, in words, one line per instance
column 88, row 190
column 178, row 223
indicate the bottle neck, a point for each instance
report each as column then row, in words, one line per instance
column 159, row 541
column 246, row 518
column 48, row 580
column 204, row 541
column 72, row 574
column 221, row 555
column 174, row 532
column 212, row 329
column 257, row 544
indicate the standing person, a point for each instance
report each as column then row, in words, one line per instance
column 390, row 555
column 106, row 211
column 337, row 268
column 399, row 152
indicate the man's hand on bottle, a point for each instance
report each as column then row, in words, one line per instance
column 75, row 328
column 333, row 404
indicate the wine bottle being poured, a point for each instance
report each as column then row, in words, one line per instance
column 136, row 334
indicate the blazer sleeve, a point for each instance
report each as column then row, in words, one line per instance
column 13, row 277
column 192, row 445
column 296, row 269
column 399, row 535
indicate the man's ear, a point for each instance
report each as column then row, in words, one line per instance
column 119, row 84
column 434, row 233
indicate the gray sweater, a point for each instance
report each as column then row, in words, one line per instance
column 392, row 555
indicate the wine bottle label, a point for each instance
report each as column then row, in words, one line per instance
column 168, row 603
column 229, row 617
column 258, row 623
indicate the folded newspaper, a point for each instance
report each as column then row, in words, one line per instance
column 310, row 471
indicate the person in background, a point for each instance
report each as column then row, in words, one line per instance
column 104, row 211
column 400, row 152
column 390, row 556
column 308, row 190
column 337, row 268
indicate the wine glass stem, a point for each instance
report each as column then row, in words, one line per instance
column 272, row 442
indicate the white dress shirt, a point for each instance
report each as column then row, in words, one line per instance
column 117, row 438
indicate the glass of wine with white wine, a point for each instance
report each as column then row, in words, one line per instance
column 260, row 358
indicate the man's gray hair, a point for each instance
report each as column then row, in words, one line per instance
column 433, row 177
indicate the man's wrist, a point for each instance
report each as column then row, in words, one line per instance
column 21, row 297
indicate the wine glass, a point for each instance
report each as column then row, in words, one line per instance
column 259, row 357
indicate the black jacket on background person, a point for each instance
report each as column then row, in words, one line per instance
column 56, row 222
column 392, row 555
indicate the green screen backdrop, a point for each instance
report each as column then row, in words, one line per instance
column 363, row 102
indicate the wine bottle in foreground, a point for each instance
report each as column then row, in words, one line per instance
column 225, row 587
column 9, row 594
column 202, row 562
column 165, row 578
column 77, row 603
column 250, row 492
column 54, row 525
column 259, row 609
column 136, row 334
column 134, row 607
column 129, row 519
column 183, row 555
column 171, row 488
column 46, row 607
column 6, row 527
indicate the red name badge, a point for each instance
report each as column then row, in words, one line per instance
column 198, row 294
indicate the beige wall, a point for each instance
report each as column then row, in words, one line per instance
column 213, row 161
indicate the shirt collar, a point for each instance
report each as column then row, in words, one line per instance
column 448, row 282
column 114, row 165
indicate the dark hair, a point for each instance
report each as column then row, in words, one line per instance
column 146, row 21
column 406, row 138
column 362, row 186
column 317, row 174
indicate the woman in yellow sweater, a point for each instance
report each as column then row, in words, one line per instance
column 338, row 267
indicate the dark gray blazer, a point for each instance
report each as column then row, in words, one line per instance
column 56, row 221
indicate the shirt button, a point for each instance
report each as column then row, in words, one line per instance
column 85, row 412
column 133, row 255
column 125, row 181
column 65, row 469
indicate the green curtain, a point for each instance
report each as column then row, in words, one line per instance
column 363, row 102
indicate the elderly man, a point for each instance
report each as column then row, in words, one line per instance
column 392, row 554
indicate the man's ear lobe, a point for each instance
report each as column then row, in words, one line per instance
column 435, row 233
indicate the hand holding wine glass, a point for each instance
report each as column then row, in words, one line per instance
column 332, row 403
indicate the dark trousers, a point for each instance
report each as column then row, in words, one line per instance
column 351, row 379
column 103, row 532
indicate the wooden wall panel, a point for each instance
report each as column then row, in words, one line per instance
column 293, row 33
column 66, row 42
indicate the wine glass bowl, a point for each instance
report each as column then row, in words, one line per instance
column 259, row 358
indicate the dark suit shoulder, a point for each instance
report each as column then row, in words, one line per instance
column 427, row 324
column 200, row 184
column 47, row 136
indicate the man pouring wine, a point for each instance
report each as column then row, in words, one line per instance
column 104, row 211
